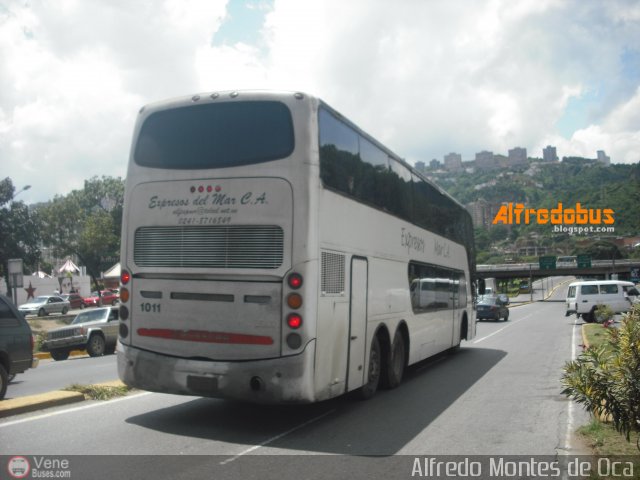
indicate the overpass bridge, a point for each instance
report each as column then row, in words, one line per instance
column 599, row 268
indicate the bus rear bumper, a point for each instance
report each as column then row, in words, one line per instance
column 278, row 380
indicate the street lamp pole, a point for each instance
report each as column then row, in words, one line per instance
column 26, row 187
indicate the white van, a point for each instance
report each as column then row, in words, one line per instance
column 584, row 297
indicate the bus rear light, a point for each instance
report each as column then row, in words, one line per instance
column 294, row 341
column 125, row 277
column 123, row 330
column 124, row 312
column 294, row 280
column 294, row 320
column 124, row 295
column 294, row 300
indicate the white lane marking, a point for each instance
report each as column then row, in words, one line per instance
column 273, row 439
column 72, row 410
column 570, row 413
column 510, row 324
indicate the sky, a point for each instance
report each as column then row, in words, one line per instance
column 425, row 77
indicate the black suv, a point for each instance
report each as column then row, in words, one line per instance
column 16, row 344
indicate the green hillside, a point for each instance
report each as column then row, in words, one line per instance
column 544, row 185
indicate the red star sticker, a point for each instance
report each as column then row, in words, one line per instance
column 30, row 291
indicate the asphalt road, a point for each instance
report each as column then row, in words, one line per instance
column 53, row 375
column 500, row 395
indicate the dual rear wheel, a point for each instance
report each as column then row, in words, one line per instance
column 384, row 373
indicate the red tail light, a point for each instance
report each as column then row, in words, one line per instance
column 125, row 277
column 294, row 280
column 294, row 320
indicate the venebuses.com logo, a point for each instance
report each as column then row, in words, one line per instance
column 517, row 214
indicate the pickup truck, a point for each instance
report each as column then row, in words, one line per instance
column 95, row 331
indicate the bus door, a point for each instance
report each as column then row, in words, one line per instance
column 357, row 323
column 459, row 299
column 455, row 306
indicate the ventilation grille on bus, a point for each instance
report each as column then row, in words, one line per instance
column 235, row 246
column 332, row 277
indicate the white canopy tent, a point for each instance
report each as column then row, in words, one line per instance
column 68, row 266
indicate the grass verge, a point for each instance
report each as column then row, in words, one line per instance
column 99, row 392
column 600, row 436
column 604, row 440
column 595, row 334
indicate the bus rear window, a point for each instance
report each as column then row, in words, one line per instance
column 215, row 135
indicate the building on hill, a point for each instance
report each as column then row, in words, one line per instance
column 485, row 161
column 517, row 157
column 549, row 154
column 482, row 212
column 603, row 158
column 421, row 167
column 453, row 162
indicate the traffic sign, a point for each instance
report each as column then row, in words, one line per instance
column 547, row 262
column 15, row 272
column 584, row 261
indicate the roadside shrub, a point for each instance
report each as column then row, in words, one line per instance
column 40, row 337
column 605, row 380
column 604, row 313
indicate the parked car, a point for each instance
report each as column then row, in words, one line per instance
column 44, row 305
column 490, row 306
column 584, row 297
column 16, row 344
column 75, row 300
column 107, row 296
column 95, row 331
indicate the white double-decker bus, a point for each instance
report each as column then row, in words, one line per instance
column 269, row 249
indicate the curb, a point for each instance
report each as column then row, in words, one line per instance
column 56, row 398
column 529, row 302
column 47, row 355
column 585, row 342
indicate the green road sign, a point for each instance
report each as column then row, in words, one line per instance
column 547, row 262
column 584, row 261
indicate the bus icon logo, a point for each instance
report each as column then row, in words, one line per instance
column 18, row 467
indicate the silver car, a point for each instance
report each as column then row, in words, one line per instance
column 44, row 305
column 95, row 331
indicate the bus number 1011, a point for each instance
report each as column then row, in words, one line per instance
column 150, row 307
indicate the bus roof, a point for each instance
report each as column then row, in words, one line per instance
column 231, row 95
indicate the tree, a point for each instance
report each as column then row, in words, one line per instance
column 603, row 250
column 19, row 230
column 87, row 223
column 606, row 380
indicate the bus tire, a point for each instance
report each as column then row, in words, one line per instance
column 395, row 365
column 464, row 326
column 369, row 389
